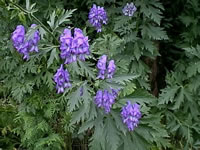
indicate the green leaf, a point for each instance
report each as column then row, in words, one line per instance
column 168, row 95
column 54, row 55
column 118, row 121
column 112, row 135
column 155, row 33
column 80, row 114
column 74, row 99
column 64, row 17
column 123, row 79
column 85, row 126
column 86, row 70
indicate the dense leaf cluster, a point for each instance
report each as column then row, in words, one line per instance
column 155, row 47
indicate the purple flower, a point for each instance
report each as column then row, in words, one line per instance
column 105, row 99
column 99, row 98
column 22, row 45
column 101, row 65
column 103, row 70
column 61, row 79
column 111, row 68
column 129, row 9
column 97, row 17
column 33, row 43
column 131, row 115
column 73, row 47
column 66, row 46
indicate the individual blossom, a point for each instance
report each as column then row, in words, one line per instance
column 101, row 65
column 97, row 17
column 80, row 44
column 73, row 48
column 111, row 68
column 129, row 9
column 61, row 79
column 21, row 44
column 131, row 115
column 108, row 101
column 105, row 99
column 33, row 42
column 18, row 39
column 66, row 46
column 99, row 98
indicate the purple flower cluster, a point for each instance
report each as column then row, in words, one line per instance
column 129, row 9
column 97, row 17
column 131, row 115
column 101, row 65
column 22, row 45
column 73, row 47
column 61, row 79
column 105, row 99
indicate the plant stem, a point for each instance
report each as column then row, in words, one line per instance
column 32, row 15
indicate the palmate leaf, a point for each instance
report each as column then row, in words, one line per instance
column 79, row 96
column 153, row 130
column 62, row 18
column 118, row 122
column 108, row 44
column 168, row 95
column 74, row 99
column 85, row 69
column 85, row 126
column 193, row 68
column 176, row 95
column 140, row 96
column 80, row 114
column 48, row 79
column 98, row 139
column 112, row 135
column 123, row 79
column 151, row 9
column 155, row 33
column 54, row 55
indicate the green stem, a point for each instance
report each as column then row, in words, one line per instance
column 42, row 25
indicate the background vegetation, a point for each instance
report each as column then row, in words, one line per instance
column 157, row 54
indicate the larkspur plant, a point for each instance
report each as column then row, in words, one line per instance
column 48, row 102
column 25, row 46
column 103, row 69
column 73, row 48
column 129, row 9
column 97, row 17
column 61, row 79
column 131, row 115
column 105, row 99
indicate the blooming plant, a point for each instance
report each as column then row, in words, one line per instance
column 100, row 90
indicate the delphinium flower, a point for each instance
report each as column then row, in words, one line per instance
column 129, row 9
column 73, row 47
column 103, row 69
column 33, row 42
column 61, row 79
column 21, row 44
column 105, row 99
column 101, row 65
column 97, row 17
column 66, row 46
column 80, row 44
column 131, row 115
column 111, row 68
column 18, row 38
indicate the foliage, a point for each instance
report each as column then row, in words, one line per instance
column 37, row 118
